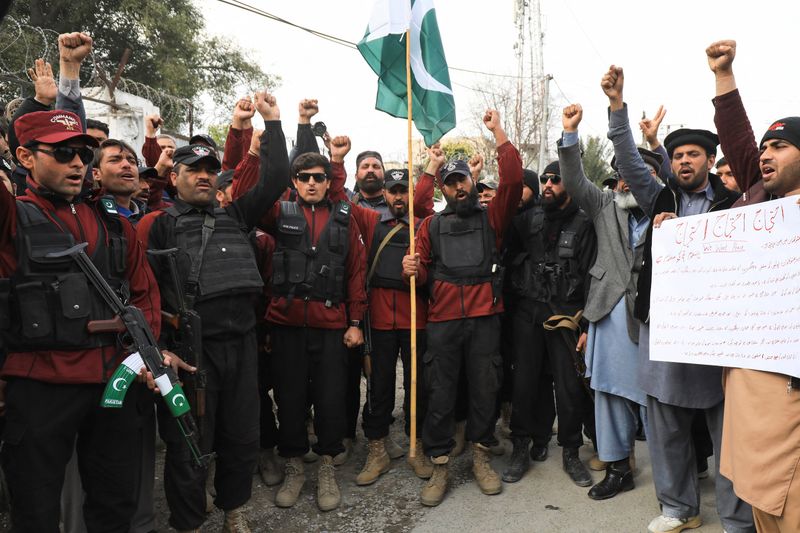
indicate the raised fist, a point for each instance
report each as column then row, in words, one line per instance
column 436, row 159
column 267, row 106
column 475, row 164
column 243, row 110
column 720, row 56
column 571, row 117
column 74, row 47
column 491, row 119
column 340, row 146
column 612, row 83
column 151, row 125
column 255, row 142
column 307, row 109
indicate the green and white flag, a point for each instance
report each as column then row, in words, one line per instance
column 117, row 386
column 384, row 48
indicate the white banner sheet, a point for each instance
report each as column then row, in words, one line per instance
column 726, row 288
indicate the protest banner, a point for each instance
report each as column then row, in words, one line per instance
column 726, row 288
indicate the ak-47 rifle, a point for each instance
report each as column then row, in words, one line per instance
column 140, row 338
column 189, row 341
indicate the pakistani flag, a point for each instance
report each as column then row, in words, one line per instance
column 384, row 48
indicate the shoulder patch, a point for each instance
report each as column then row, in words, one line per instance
column 109, row 205
column 344, row 208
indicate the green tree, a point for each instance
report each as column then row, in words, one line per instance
column 458, row 149
column 170, row 50
column 596, row 154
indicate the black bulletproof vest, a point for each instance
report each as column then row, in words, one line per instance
column 389, row 270
column 228, row 263
column 301, row 270
column 463, row 249
column 49, row 302
column 551, row 274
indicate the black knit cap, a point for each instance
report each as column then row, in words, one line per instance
column 530, row 179
column 552, row 168
column 683, row 136
column 787, row 129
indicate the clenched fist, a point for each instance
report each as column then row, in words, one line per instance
column 267, row 106
column 340, row 146
column 571, row 117
column 612, row 84
column 720, row 56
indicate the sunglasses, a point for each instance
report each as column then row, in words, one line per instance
column 65, row 154
column 318, row 177
column 555, row 180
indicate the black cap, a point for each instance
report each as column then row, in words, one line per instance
column 203, row 138
column 148, row 172
column 530, row 179
column 610, row 182
column 194, row 153
column 396, row 176
column 684, row 136
column 456, row 166
column 787, row 129
column 654, row 159
column 368, row 153
column 225, row 179
column 552, row 168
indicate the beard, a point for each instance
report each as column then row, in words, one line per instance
column 372, row 186
column 625, row 200
column 398, row 211
column 551, row 203
column 465, row 206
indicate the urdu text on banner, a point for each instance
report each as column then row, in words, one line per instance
column 726, row 288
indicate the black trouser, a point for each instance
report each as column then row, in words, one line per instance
column 473, row 343
column 230, row 429
column 42, row 423
column 353, row 397
column 268, row 428
column 544, row 415
column 309, row 362
column 532, row 346
column 386, row 344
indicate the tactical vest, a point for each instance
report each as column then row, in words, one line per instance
column 228, row 263
column 49, row 302
column 389, row 271
column 550, row 274
column 463, row 249
column 301, row 270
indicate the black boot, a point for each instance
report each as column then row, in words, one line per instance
column 519, row 462
column 575, row 468
column 619, row 478
column 538, row 453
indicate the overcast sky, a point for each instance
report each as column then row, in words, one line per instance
column 660, row 46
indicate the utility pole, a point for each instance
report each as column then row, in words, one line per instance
column 543, row 124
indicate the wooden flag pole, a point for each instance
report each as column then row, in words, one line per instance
column 412, row 449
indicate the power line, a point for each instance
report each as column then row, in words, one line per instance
column 337, row 40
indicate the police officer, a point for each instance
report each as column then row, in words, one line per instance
column 458, row 257
column 387, row 239
column 318, row 303
column 217, row 271
column 561, row 246
column 55, row 368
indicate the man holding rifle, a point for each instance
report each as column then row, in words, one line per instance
column 217, row 279
column 55, row 367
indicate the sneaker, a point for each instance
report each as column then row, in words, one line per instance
column 328, row 495
column 377, row 463
column 668, row 524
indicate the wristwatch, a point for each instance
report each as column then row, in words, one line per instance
column 355, row 323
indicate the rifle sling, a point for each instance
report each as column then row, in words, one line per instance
column 193, row 282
